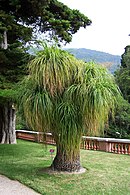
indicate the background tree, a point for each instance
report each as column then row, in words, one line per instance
column 123, row 74
column 29, row 16
column 67, row 97
column 11, row 71
column 121, row 126
column 20, row 22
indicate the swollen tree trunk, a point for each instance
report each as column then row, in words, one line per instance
column 7, row 124
column 63, row 162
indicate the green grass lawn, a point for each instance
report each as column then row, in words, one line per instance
column 106, row 173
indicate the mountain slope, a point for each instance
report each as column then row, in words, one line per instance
column 112, row 62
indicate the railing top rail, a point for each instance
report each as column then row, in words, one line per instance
column 27, row 131
column 113, row 140
column 33, row 132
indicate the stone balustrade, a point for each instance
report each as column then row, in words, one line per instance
column 119, row 146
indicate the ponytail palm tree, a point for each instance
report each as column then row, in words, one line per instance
column 68, row 98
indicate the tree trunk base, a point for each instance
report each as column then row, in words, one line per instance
column 62, row 163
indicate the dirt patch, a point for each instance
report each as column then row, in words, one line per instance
column 49, row 170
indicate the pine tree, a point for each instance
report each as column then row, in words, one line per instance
column 20, row 22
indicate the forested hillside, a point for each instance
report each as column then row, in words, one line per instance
column 112, row 62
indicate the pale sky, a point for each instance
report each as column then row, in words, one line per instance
column 110, row 25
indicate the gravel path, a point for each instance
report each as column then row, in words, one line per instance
column 12, row 187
